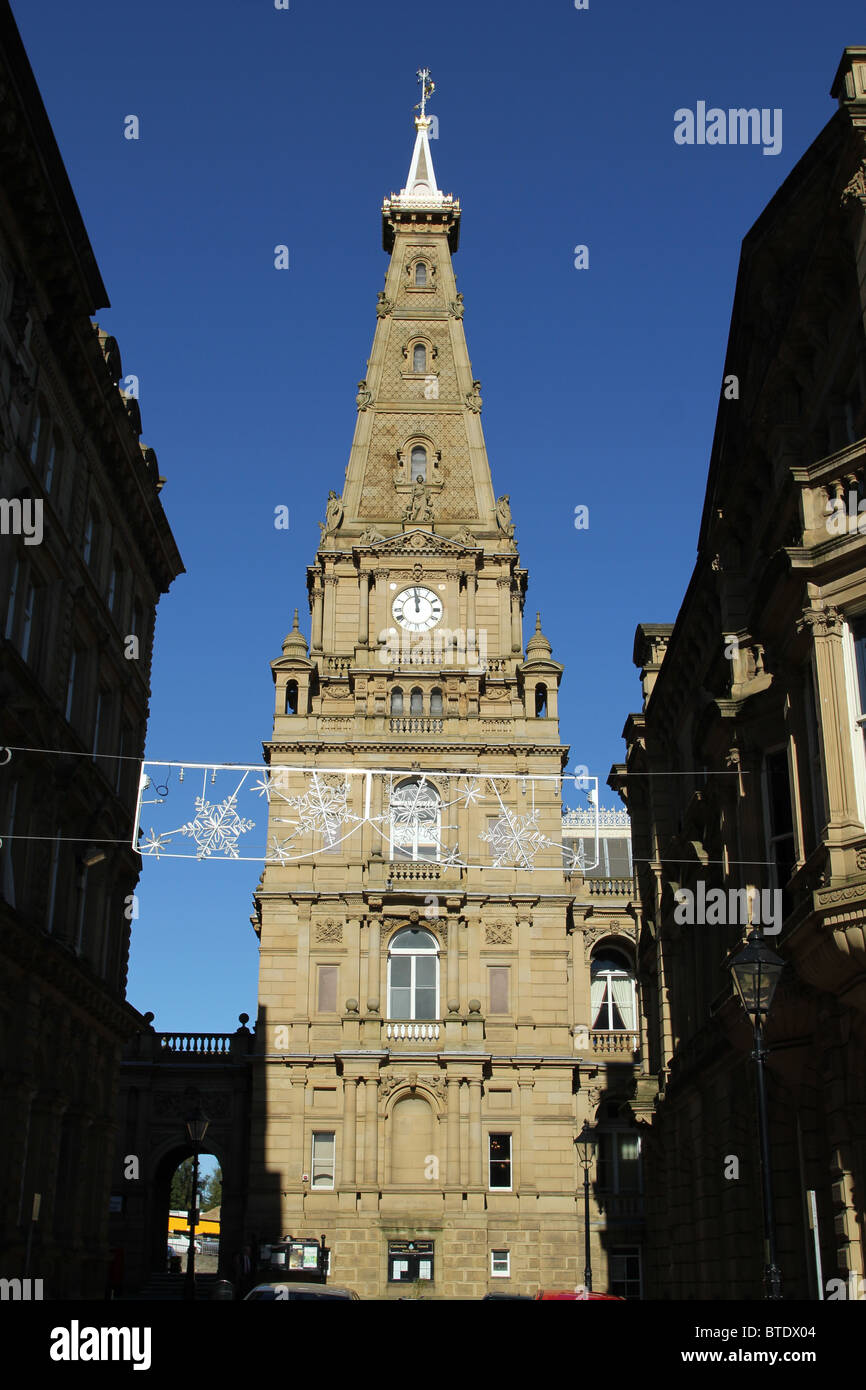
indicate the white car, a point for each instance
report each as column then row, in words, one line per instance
column 179, row 1245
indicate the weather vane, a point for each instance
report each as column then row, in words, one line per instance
column 427, row 90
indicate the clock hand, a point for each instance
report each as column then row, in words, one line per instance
column 417, row 605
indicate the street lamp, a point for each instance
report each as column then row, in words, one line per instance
column 585, row 1144
column 756, row 970
column 196, row 1128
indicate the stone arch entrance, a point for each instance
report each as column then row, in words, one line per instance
column 163, row 1075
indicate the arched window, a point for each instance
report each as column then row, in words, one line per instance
column 292, row 697
column 540, row 700
column 415, row 820
column 416, row 701
column 420, row 276
column 419, row 358
column 612, row 992
column 397, row 700
column 419, row 464
column 436, row 703
column 413, row 974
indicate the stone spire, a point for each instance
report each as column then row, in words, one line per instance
column 418, row 456
column 538, row 645
column 295, row 643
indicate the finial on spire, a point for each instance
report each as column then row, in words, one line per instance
column 295, row 627
column 427, row 90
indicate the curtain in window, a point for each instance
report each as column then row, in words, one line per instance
column 623, row 999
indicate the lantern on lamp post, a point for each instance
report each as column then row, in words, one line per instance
column 755, row 970
column 196, row 1127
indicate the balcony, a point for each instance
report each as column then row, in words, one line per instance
column 192, row 1045
column 413, row 871
column 415, row 724
column 621, row 1206
column 610, row 887
column 614, row 1043
column 410, row 1031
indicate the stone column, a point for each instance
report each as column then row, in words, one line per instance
column 364, row 609
column 476, row 1154
column 525, row 1156
column 504, row 587
column 348, row 1163
column 453, row 1176
column 316, row 631
column 381, row 615
column 331, row 605
column 371, row 1157
column 471, row 586
column 453, row 976
column 834, row 717
column 516, row 623
column 374, row 966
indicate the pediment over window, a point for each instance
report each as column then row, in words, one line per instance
column 417, row 542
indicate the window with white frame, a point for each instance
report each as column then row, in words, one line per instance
column 413, row 975
column 499, row 1162
column 612, row 991
column 415, row 820
column 500, row 1264
column 322, row 1165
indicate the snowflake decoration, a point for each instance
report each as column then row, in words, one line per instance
column 280, row 850
column 514, row 838
column 216, row 828
column 153, row 843
column 324, row 809
column 451, row 858
column 469, row 790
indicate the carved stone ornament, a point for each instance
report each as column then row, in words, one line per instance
column 497, row 934
column 329, row 931
column 861, row 858
column 370, row 537
column 175, row 1104
column 420, row 506
column 333, row 514
column 503, row 516
column 436, row 1084
column 455, row 307
column 384, row 305
column 856, row 187
column 364, row 397
column 820, row 622
column 473, row 398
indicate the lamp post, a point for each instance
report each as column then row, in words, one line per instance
column 196, row 1128
column 585, row 1145
column 756, row 970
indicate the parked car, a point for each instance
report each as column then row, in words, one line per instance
column 284, row 1292
column 575, row 1297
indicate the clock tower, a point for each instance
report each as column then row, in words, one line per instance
column 417, row 1087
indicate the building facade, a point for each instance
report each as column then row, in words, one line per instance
column 434, row 959
column 746, row 767
column 85, row 552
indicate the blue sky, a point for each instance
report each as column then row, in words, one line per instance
column 600, row 386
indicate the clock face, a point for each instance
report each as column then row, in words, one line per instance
column 417, row 609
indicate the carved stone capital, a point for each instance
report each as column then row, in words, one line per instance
column 821, row 622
